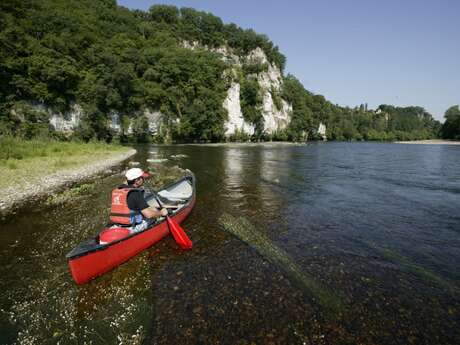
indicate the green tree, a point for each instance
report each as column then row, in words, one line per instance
column 451, row 127
column 301, row 125
column 251, row 101
column 108, row 58
column 140, row 127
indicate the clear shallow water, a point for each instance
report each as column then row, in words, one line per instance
column 377, row 223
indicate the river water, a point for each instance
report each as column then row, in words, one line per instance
column 377, row 225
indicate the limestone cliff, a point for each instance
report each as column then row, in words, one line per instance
column 270, row 82
column 275, row 110
column 276, row 114
column 235, row 120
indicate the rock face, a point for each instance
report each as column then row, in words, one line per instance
column 270, row 82
column 64, row 122
column 115, row 121
column 276, row 114
column 275, row 110
column 154, row 119
column 322, row 131
column 235, row 120
column 70, row 120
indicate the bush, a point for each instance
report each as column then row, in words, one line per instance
column 280, row 135
column 254, row 68
column 239, row 136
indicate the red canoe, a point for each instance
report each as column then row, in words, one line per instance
column 114, row 245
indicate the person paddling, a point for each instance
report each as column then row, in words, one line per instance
column 129, row 206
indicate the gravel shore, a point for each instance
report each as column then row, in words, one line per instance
column 12, row 198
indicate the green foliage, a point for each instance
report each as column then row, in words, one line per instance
column 107, row 58
column 301, row 124
column 343, row 123
column 140, row 127
column 251, row 102
column 254, row 68
column 239, row 136
column 164, row 14
column 25, row 121
column 451, row 127
column 277, row 100
column 278, row 135
column 94, row 125
column 407, row 119
column 124, row 126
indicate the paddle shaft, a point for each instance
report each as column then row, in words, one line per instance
column 178, row 233
column 161, row 205
column 155, row 194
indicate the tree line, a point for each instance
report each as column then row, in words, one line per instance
column 108, row 58
column 451, row 127
column 387, row 122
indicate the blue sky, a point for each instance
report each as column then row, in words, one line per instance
column 404, row 52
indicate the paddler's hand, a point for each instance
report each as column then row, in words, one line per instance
column 164, row 212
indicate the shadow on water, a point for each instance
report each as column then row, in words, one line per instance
column 405, row 265
column 246, row 232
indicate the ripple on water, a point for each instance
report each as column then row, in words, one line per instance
column 377, row 222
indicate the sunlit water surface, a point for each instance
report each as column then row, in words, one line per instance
column 378, row 224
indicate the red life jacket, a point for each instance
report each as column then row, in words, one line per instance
column 119, row 211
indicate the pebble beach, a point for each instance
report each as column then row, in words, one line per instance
column 31, row 189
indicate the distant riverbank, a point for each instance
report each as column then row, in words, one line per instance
column 29, row 178
column 430, row 142
column 247, row 144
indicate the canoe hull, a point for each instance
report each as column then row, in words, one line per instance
column 103, row 258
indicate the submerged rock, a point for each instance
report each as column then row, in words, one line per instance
column 157, row 160
column 164, row 175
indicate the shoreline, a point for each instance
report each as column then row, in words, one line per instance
column 12, row 198
column 429, row 142
column 245, row 144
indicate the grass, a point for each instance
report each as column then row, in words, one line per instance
column 27, row 161
column 13, row 148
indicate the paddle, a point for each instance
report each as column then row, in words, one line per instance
column 178, row 233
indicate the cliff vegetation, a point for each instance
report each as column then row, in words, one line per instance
column 107, row 59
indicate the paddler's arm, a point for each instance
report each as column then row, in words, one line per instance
column 152, row 212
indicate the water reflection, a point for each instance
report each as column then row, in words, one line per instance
column 254, row 178
column 378, row 222
column 234, row 178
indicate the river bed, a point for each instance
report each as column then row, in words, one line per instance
column 376, row 224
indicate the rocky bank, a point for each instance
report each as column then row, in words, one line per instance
column 12, row 198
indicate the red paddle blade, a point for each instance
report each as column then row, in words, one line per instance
column 179, row 234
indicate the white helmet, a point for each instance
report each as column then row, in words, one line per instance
column 135, row 173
